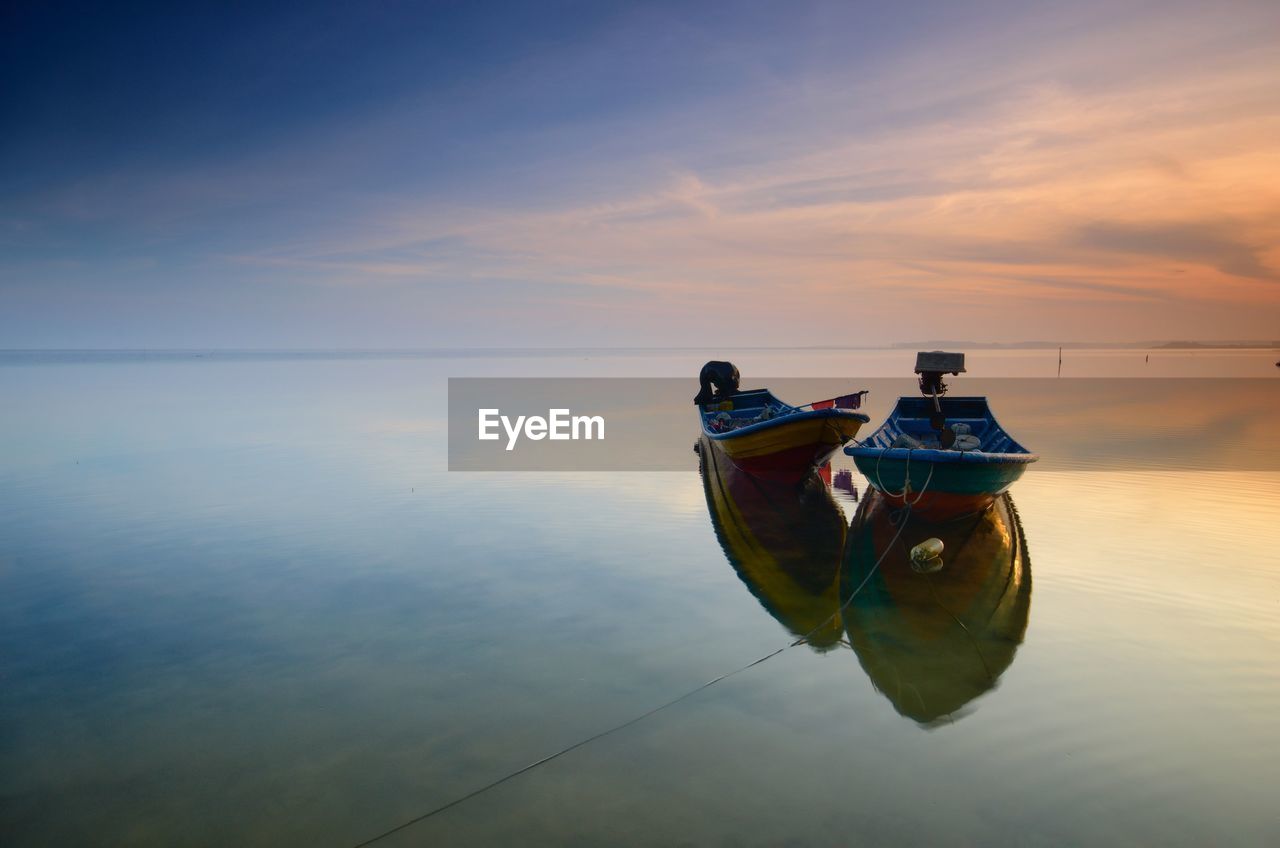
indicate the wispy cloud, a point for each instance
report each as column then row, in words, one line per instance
column 1091, row 172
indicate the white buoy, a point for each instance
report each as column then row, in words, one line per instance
column 926, row 557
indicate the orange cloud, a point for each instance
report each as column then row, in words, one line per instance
column 1159, row 194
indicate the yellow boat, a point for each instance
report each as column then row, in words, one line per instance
column 763, row 435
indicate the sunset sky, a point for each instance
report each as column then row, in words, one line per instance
column 465, row 174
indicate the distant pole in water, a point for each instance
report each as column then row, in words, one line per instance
column 1059, row 362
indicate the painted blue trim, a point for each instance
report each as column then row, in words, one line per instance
column 943, row 456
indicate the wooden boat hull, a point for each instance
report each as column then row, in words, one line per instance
column 793, row 444
column 940, row 491
column 944, row 484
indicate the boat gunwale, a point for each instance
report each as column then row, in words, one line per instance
column 796, row 415
column 940, row 455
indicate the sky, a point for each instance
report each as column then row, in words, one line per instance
column 399, row 175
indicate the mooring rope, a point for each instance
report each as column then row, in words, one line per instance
column 906, row 480
column 904, row 519
column 531, row 766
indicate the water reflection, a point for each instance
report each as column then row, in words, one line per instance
column 785, row 540
column 932, row 643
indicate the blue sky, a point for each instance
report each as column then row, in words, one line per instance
column 401, row 175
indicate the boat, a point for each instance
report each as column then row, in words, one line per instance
column 763, row 435
column 945, row 457
column 785, row 540
column 933, row 641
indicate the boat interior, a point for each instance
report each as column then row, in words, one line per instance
column 910, row 426
column 742, row 409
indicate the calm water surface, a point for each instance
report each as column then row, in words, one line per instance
column 243, row 603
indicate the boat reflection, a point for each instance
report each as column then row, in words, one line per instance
column 785, row 539
column 933, row 642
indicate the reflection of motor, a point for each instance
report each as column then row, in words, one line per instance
column 722, row 377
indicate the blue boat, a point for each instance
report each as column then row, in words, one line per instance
column 944, row 457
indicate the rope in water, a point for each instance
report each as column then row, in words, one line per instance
column 904, row 519
column 531, row 766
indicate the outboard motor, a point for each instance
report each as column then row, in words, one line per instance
column 722, row 377
column 931, row 365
